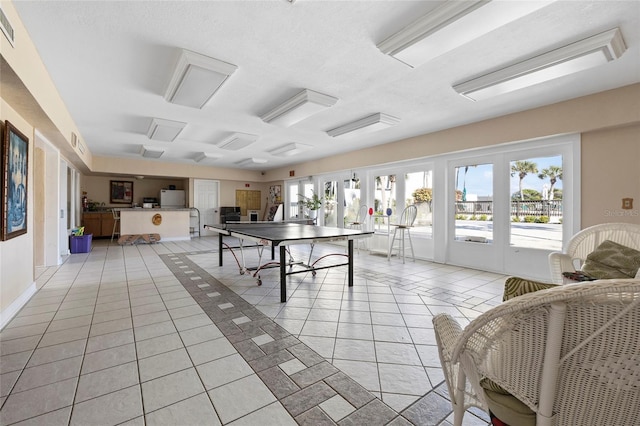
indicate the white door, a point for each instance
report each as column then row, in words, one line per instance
column 63, row 235
column 206, row 198
column 506, row 211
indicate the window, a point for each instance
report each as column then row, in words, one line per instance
column 352, row 197
column 536, row 202
column 292, row 200
column 419, row 191
column 474, row 203
column 385, row 196
column 331, row 203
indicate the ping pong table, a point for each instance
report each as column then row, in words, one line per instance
column 283, row 234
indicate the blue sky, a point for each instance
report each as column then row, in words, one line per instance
column 479, row 179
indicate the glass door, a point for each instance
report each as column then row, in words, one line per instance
column 471, row 213
column 331, row 205
column 352, row 199
column 508, row 209
column 296, row 193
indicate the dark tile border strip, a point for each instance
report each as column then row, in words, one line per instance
column 300, row 393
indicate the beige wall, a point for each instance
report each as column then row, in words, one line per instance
column 16, row 254
column 608, row 121
column 609, row 124
column 26, row 85
column 97, row 188
column 157, row 168
column 610, row 172
column 603, row 110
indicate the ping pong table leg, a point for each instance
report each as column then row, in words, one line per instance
column 220, row 249
column 283, row 274
column 350, row 249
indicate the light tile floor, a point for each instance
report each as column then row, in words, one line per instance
column 143, row 335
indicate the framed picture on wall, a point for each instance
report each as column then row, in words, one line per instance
column 121, row 192
column 15, row 152
column 275, row 194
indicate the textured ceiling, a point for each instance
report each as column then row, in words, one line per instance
column 111, row 62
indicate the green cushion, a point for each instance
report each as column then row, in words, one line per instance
column 489, row 384
column 515, row 286
column 612, row 260
column 510, row 409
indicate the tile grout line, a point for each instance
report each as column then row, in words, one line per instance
column 242, row 301
column 190, row 358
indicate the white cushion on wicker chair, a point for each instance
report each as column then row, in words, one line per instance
column 586, row 241
column 569, row 353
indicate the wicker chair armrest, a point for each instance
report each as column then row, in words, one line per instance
column 559, row 263
column 448, row 332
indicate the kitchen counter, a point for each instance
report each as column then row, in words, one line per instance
column 155, row 209
column 172, row 224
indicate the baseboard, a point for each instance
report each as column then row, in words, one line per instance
column 11, row 310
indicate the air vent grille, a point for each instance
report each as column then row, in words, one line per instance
column 6, row 26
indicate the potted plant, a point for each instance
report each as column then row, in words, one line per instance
column 422, row 195
column 312, row 203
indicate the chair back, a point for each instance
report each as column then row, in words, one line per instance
column 116, row 214
column 362, row 213
column 570, row 353
column 409, row 215
column 586, row 241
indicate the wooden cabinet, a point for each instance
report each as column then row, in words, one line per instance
column 100, row 224
column 92, row 224
column 106, row 225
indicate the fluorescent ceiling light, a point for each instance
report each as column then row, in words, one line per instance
column 451, row 25
column 301, row 106
column 196, row 78
column 206, row 156
column 149, row 152
column 251, row 162
column 290, row 149
column 368, row 124
column 575, row 57
column 164, row 130
column 238, row 141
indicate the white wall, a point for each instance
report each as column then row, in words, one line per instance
column 16, row 255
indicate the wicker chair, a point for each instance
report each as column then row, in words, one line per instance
column 568, row 355
column 586, row 241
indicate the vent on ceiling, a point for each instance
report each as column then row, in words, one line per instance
column 238, row 141
column 164, row 130
column 151, row 152
column 6, row 26
column 196, row 79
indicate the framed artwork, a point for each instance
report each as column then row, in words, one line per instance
column 121, row 192
column 275, row 194
column 15, row 152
